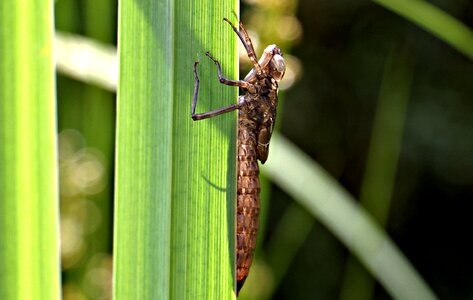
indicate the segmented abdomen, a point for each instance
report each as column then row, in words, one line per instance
column 248, row 189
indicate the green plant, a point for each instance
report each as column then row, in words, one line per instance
column 29, row 217
column 175, row 178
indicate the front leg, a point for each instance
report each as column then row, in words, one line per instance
column 246, row 41
column 240, row 83
column 212, row 113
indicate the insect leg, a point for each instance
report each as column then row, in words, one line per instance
column 212, row 113
column 240, row 83
column 246, row 41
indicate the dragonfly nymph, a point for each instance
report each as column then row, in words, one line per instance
column 256, row 117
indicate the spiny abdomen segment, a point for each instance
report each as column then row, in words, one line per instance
column 248, row 189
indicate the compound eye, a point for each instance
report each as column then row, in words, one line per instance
column 279, row 67
column 279, row 63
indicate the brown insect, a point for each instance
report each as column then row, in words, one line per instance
column 256, row 117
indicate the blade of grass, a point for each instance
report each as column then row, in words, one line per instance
column 309, row 184
column 29, row 231
column 435, row 21
column 175, row 179
column 205, row 154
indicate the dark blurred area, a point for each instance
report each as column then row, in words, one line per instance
column 329, row 113
column 345, row 58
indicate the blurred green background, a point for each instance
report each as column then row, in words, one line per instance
column 86, row 118
column 382, row 104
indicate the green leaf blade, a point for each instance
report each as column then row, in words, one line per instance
column 142, row 224
column 29, row 235
column 205, row 179
column 174, row 234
